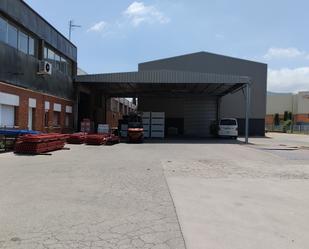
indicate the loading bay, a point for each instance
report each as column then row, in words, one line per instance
column 175, row 194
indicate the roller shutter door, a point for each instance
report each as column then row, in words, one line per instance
column 198, row 115
column 7, row 116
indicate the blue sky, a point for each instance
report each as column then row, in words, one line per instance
column 117, row 35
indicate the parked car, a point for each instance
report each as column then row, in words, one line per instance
column 228, row 127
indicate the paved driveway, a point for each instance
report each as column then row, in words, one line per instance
column 238, row 196
column 88, row 197
column 227, row 195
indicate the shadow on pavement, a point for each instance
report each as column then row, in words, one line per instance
column 192, row 141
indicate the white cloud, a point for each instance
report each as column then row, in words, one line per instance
column 284, row 53
column 98, row 27
column 288, row 80
column 139, row 13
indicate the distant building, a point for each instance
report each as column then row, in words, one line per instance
column 115, row 107
column 297, row 104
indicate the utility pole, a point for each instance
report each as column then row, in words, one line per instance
column 71, row 27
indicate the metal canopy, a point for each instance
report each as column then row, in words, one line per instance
column 162, row 76
column 170, row 83
column 163, row 83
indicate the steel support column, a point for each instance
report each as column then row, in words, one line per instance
column 219, row 99
column 248, row 100
column 75, row 109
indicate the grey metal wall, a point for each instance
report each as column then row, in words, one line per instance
column 198, row 115
column 232, row 105
column 173, row 107
column 21, row 13
column 20, row 69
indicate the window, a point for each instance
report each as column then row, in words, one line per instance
column 57, row 62
column 63, row 67
column 51, row 55
column 69, row 68
column 31, row 50
column 16, row 38
column 46, row 119
column 3, row 30
column 56, row 119
column 67, row 120
column 12, row 36
column 23, row 42
column 228, row 122
column 45, row 53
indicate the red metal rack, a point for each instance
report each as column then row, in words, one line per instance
column 37, row 144
column 77, row 138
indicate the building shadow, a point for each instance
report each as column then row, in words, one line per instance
column 193, row 140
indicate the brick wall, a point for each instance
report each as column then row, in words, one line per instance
column 301, row 118
column 21, row 115
column 112, row 118
column 297, row 118
column 269, row 119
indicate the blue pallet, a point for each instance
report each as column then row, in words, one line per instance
column 15, row 133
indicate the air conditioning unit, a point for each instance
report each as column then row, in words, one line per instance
column 45, row 68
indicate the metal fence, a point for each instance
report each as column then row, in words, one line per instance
column 301, row 128
column 304, row 129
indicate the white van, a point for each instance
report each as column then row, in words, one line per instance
column 228, row 127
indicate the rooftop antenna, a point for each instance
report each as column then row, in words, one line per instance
column 71, row 27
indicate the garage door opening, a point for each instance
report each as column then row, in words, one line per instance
column 190, row 101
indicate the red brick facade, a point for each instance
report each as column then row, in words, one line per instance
column 21, row 112
column 269, row 119
column 112, row 118
column 301, row 118
column 297, row 118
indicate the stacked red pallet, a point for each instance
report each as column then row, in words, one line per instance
column 112, row 139
column 100, row 139
column 36, row 144
column 77, row 138
column 96, row 139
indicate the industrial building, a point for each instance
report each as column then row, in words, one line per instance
column 38, row 65
column 192, row 90
column 40, row 88
column 297, row 104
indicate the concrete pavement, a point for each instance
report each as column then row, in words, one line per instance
column 88, row 197
column 237, row 196
column 227, row 195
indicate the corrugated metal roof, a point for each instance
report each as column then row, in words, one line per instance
column 163, row 76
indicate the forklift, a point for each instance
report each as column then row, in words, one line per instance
column 135, row 128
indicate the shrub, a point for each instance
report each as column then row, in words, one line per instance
column 287, row 125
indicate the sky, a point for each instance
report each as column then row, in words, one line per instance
column 116, row 35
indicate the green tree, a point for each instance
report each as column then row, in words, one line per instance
column 277, row 119
column 286, row 116
column 290, row 116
